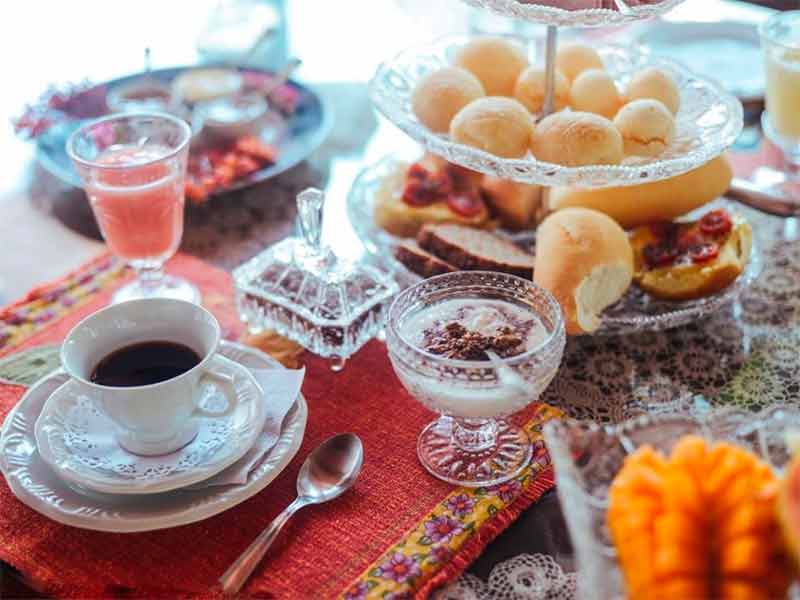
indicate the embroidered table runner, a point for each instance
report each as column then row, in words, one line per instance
column 398, row 533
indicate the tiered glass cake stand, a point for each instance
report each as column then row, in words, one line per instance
column 708, row 122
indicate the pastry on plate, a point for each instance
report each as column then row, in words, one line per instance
column 515, row 205
column 575, row 139
column 530, row 89
column 420, row 261
column 475, row 250
column 440, row 94
column 656, row 84
column 584, row 260
column 594, row 91
column 497, row 125
column 193, row 86
column 684, row 261
column 428, row 191
column 646, row 126
column 665, row 200
column 497, row 62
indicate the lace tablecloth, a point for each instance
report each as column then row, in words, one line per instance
column 747, row 355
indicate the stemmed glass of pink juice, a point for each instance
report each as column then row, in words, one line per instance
column 133, row 168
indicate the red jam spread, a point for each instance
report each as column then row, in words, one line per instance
column 695, row 243
column 424, row 187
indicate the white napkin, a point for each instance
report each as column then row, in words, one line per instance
column 281, row 388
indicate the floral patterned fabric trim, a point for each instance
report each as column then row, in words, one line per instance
column 45, row 304
column 443, row 532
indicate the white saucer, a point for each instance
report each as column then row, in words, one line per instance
column 79, row 441
column 35, row 483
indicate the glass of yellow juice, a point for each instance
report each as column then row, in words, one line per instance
column 780, row 39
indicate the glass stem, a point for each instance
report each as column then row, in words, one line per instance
column 474, row 435
column 150, row 276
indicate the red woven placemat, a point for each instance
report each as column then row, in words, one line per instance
column 399, row 532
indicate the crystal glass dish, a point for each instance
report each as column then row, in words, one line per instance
column 622, row 11
column 471, row 444
column 301, row 290
column 587, row 457
column 634, row 313
column 708, row 122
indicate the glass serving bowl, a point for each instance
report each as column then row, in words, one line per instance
column 471, row 444
column 587, row 457
column 626, row 11
column 635, row 312
column 708, row 122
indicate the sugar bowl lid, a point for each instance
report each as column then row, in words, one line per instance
column 306, row 278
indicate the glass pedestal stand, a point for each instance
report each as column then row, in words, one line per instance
column 473, row 452
column 466, row 451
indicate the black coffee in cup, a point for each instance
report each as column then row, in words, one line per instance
column 144, row 363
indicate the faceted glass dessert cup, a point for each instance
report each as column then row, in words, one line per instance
column 588, row 456
column 133, row 167
column 472, row 444
column 780, row 40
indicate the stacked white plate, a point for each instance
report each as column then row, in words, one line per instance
column 59, row 456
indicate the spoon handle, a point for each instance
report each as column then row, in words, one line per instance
column 239, row 572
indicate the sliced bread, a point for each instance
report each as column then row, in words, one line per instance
column 475, row 250
column 421, row 262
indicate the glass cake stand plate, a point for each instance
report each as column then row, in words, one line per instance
column 571, row 13
column 635, row 312
column 708, row 122
column 587, row 457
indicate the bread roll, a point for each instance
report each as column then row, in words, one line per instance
column 664, row 200
column 575, row 139
column 584, row 259
column 573, row 58
column 495, row 61
column 594, row 91
column 530, row 89
column 656, row 84
column 515, row 204
column 646, row 126
column 500, row 126
column 439, row 95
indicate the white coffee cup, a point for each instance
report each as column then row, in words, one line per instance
column 161, row 417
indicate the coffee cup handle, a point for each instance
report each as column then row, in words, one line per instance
column 226, row 383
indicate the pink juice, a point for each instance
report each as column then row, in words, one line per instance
column 139, row 208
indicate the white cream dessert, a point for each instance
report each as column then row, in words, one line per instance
column 465, row 329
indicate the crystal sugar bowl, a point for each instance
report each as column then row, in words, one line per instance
column 475, row 346
column 302, row 290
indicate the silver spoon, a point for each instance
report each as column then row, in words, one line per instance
column 506, row 375
column 280, row 78
column 328, row 471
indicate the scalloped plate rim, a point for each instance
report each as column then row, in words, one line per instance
column 223, row 497
column 444, row 147
column 611, row 325
column 104, row 484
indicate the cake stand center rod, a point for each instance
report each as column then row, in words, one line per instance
column 550, row 70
